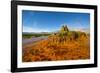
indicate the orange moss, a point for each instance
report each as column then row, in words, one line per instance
column 52, row 50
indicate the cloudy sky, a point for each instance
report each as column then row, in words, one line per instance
column 44, row 21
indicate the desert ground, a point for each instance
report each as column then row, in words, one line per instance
column 63, row 45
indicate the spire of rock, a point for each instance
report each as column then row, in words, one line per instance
column 64, row 28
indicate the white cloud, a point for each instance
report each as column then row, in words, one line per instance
column 30, row 29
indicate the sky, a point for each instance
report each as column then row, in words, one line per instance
column 46, row 21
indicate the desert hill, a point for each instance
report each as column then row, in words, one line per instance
column 66, row 35
column 62, row 45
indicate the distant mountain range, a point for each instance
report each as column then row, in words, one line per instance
column 37, row 32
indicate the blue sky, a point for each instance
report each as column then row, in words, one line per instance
column 45, row 21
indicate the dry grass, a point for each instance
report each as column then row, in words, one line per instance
column 57, row 48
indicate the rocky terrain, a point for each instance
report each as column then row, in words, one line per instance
column 62, row 45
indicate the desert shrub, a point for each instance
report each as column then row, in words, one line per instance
column 75, row 35
column 81, row 34
column 61, row 34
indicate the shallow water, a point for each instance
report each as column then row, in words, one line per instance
column 33, row 39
